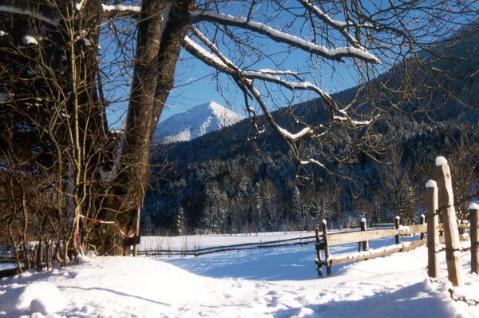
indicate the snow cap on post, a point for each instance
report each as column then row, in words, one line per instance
column 431, row 183
column 363, row 220
column 473, row 206
column 441, row 161
column 397, row 217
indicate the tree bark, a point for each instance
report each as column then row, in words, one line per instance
column 161, row 29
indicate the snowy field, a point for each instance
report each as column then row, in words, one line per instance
column 192, row 242
column 278, row 282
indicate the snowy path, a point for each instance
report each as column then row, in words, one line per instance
column 395, row 286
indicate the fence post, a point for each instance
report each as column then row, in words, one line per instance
column 423, row 221
column 364, row 227
column 451, row 233
column 326, row 246
column 432, row 229
column 318, row 252
column 396, row 226
column 473, row 234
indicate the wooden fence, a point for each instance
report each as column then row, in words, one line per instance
column 300, row 240
column 234, row 247
column 325, row 240
column 440, row 202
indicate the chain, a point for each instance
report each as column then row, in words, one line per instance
column 464, row 249
column 458, row 203
column 470, row 302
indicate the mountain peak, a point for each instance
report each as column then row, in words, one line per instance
column 195, row 122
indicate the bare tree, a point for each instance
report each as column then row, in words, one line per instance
column 49, row 56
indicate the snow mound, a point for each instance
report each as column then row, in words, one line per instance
column 43, row 297
column 393, row 286
column 82, row 259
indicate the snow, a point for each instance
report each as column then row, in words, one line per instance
column 29, row 40
column 41, row 297
column 79, row 5
column 334, row 53
column 431, row 184
column 473, row 206
column 394, row 286
column 191, row 242
column 440, row 161
column 121, row 8
column 404, row 229
column 312, row 161
column 199, row 120
column 294, row 136
column 204, row 54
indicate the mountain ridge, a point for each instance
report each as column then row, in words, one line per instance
column 195, row 122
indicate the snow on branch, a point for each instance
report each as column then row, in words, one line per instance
column 296, row 136
column 79, row 5
column 352, row 121
column 338, row 25
column 120, row 9
column 216, row 60
column 34, row 14
column 243, row 78
column 278, row 72
column 207, row 57
column 312, row 161
column 282, row 37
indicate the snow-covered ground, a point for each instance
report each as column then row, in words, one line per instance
column 192, row 242
column 278, row 282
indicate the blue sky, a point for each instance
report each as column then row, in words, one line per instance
column 195, row 83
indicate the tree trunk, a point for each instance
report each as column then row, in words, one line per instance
column 161, row 30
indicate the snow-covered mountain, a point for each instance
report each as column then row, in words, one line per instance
column 195, row 122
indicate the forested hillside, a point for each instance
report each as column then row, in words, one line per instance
column 238, row 180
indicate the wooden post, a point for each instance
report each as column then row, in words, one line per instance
column 396, row 226
column 432, row 229
column 451, row 233
column 364, row 227
column 423, row 221
column 473, row 234
column 137, row 231
column 318, row 252
column 326, row 247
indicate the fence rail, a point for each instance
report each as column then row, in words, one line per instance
column 324, row 242
column 303, row 240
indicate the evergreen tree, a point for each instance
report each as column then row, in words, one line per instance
column 181, row 223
